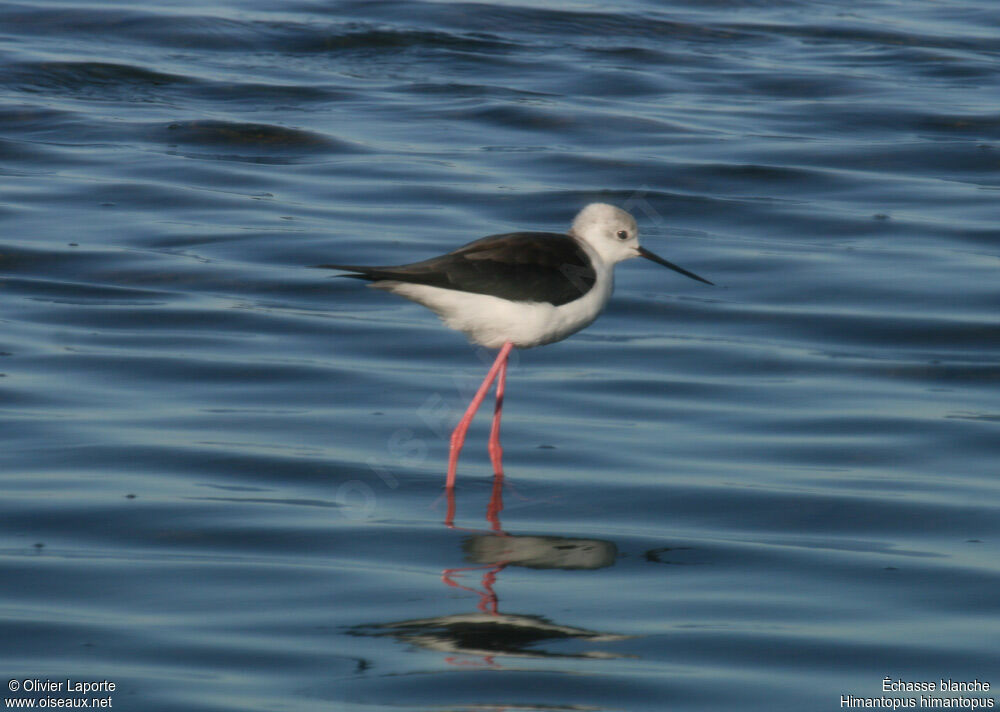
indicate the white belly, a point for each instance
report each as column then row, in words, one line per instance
column 491, row 321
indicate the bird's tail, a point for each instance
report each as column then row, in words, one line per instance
column 359, row 271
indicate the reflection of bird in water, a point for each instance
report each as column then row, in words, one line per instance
column 490, row 632
column 540, row 552
column 518, row 289
column 487, row 635
column 495, row 552
column 477, row 639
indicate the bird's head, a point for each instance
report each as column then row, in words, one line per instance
column 614, row 235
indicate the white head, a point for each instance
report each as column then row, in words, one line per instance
column 614, row 236
column 611, row 231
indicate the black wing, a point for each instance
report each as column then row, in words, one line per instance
column 520, row 266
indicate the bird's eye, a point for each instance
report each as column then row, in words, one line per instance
column 622, row 234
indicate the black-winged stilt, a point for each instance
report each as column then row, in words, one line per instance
column 518, row 289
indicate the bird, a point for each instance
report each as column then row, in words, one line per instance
column 517, row 290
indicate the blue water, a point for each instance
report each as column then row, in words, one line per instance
column 222, row 471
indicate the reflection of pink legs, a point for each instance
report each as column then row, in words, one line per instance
column 458, row 435
column 493, row 509
column 488, row 601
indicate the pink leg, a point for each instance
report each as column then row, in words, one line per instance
column 496, row 456
column 495, row 506
column 458, row 435
column 496, row 451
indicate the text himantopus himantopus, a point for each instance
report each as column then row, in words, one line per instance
column 519, row 289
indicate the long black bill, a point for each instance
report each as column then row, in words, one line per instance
column 659, row 260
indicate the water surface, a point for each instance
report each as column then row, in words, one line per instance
column 223, row 471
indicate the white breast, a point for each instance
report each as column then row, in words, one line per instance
column 491, row 321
